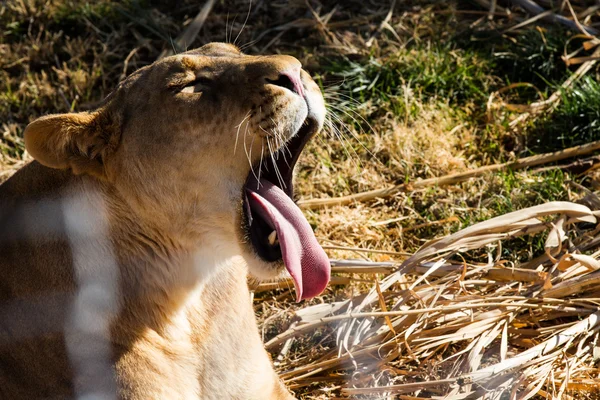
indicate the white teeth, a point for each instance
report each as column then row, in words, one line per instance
column 187, row 89
column 273, row 238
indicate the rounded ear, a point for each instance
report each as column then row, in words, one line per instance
column 78, row 141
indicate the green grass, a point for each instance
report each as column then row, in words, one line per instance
column 533, row 56
column 575, row 121
column 457, row 78
column 401, row 81
column 512, row 191
column 461, row 74
column 505, row 191
column 69, row 14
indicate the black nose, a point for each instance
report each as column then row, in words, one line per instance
column 284, row 81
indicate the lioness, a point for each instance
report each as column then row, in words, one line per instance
column 125, row 245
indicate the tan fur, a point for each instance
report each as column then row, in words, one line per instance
column 122, row 261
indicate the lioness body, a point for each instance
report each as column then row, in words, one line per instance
column 122, row 262
column 206, row 343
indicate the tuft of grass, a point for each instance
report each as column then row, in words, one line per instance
column 401, row 81
column 511, row 191
column 575, row 121
column 72, row 16
column 532, row 55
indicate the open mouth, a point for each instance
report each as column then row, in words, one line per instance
column 276, row 226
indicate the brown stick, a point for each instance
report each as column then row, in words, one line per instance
column 288, row 283
column 453, row 178
column 402, row 388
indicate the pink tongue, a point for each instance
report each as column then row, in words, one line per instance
column 303, row 257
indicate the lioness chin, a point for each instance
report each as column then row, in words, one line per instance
column 125, row 245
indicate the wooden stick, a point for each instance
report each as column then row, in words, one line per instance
column 288, row 283
column 363, row 250
column 579, row 166
column 402, row 388
column 539, row 159
column 577, row 285
column 516, row 274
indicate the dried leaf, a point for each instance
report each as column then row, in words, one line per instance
column 318, row 311
column 565, row 263
column 556, row 236
column 504, row 343
column 496, row 229
column 384, row 307
column 587, row 261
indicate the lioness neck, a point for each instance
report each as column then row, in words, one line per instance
column 163, row 264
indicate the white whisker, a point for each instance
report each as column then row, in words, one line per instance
column 249, row 155
column 226, row 28
column 249, row 44
column 237, row 135
column 333, row 115
column 262, row 149
column 277, row 172
column 344, row 142
column 244, row 24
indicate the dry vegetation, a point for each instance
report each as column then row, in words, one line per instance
column 481, row 286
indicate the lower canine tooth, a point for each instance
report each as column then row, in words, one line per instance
column 272, row 238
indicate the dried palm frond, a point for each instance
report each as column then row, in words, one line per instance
column 439, row 325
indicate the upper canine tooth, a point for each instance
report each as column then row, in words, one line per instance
column 272, row 238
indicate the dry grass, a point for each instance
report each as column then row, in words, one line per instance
column 432, row 296
column 439, row 324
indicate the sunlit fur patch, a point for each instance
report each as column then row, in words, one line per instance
column 190, row 63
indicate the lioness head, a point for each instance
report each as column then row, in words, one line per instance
column 201, row 147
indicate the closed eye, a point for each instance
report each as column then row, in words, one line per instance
column 196, row 86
